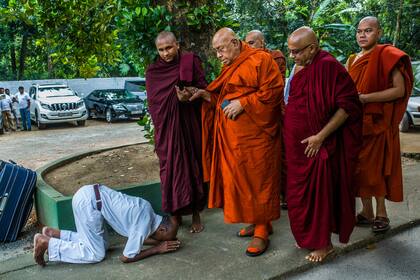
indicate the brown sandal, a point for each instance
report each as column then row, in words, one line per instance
column 362, row 221
column 380, row 224
column 254, row 252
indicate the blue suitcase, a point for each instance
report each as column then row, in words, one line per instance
column 17, row 186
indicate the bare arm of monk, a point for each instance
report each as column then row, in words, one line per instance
column 201, row 93
column 396, row 91
column 161, row 248
column 315, row 141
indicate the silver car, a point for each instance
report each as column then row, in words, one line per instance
column 412, row 115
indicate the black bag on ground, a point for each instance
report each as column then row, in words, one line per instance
column 17, row 186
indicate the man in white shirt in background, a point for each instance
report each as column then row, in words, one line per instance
column 24, row 108
column 6, row 110
column 129, row 216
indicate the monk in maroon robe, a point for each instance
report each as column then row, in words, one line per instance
column 322, row 128
column 177, row 123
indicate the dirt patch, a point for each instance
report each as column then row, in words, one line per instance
column 117, row 168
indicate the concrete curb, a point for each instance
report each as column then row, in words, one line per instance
column 350, row 248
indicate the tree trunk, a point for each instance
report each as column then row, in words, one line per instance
column 398, row 27
column 13, row 58
column 22, row 56
column 197, row 41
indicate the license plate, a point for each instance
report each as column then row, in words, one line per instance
column 65, row 114
column 135, row 112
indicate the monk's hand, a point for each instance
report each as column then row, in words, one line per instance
column 233, row 109
column 168, row 246
column 200, row 93
column 183, row 95
column 363, row 98
column 314, row 143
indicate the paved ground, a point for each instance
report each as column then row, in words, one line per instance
column 396, row 258
column 214, row 254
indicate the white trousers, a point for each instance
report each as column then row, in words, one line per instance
column 89, row 243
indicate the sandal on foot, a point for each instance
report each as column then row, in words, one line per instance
column 380, row 224
column 254, row 252
column 244, row 232
column 362, row 221
column 283, row 205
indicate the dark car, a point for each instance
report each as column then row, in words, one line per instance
column 136, row 87
column 113, row 104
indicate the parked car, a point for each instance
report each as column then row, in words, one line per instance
column 113, row 104
column 412, row 115
column 56, row 103
column 136, row 87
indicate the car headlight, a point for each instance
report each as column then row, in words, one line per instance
column 81, row 103
column 119, row 107
column 45, row 106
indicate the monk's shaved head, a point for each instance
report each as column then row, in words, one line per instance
column 255, row 39
column 167, row 46
column 167, row 35
column 372, row 20
column 256, row 34
column 224, row 34
column 303, row 45
column 368, row 33
column 227, row 45
column 303, row 36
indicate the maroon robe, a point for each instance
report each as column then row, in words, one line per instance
column 177, row 132
column 320, row 190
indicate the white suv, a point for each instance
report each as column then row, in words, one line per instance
column 56, row 103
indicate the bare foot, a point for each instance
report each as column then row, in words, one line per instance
column 196, row 226
column 177, row 220
column 51, row 232
column 246, row 231
column 297, row 246
column 40, row 246
column 320, row 254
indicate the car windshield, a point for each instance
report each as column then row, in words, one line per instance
column 118, row 95
column 55, row 92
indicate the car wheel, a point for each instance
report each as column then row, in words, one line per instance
column 38, row 123
column 405, row 123
column 89, row 114
column 108, row 115
column 81, row 123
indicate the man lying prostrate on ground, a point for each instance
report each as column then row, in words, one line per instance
column 132, row 217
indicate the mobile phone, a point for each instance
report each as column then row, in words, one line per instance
column 181, row 85
column 224, row 103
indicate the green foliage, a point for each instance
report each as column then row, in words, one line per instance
column 148, row 127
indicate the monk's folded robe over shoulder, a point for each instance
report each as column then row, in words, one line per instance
column 379, row 167
column 242, row 157
column 177, row 132
column 320, row 189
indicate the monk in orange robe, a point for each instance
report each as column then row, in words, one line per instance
column 241, row 142
column 255, row 39
column 384, row 80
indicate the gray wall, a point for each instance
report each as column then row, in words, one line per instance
column 81, row 86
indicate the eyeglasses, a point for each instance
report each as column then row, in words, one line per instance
column 298, row 51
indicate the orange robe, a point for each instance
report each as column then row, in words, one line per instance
column 242, row 157
column 379, row 171
column 279, row 58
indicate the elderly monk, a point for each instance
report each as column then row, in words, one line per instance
column 255, row 39
column 177, row 123
column 384, row 80
column 322, row 130
column 241, row 137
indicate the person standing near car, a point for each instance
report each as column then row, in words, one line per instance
column 6, row 110
column 177, row 124
column 14, row 107
column 384, row 80
column 24, row 108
